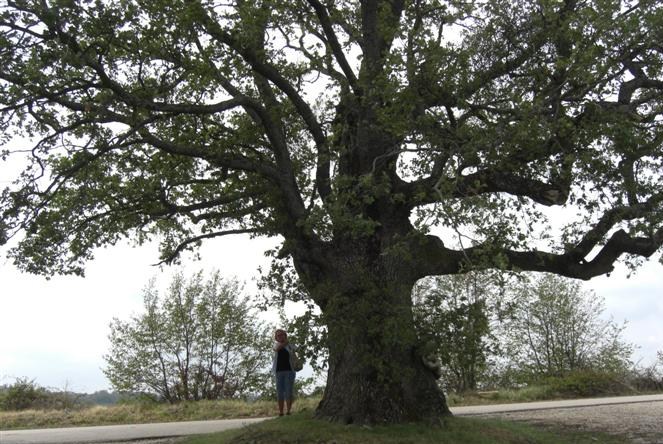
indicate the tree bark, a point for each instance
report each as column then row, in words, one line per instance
column 376, row 372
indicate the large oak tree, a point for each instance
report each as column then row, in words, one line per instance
column 360, row 132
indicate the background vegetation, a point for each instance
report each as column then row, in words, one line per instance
column 496, row 338
column 201, row 340
column 491, row 331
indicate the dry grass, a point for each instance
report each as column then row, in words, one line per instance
column 505, row 396
column 136, row 413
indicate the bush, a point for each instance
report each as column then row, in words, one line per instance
column 647, row 378
column 22, row 395
column 557, row 328
column 642, row 381
column 25, row 394
column 586, row 383
column 142, row 399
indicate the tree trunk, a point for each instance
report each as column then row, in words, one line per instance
column 376, row 372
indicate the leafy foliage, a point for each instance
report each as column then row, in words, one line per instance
column 454, row 316
column 199, row 341
column 497, row 331
column 185, row 121
column 557, row 329
column 26, row 394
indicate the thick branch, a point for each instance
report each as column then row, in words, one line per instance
column 336, row 48
column 609, row 220
column 379, row 27
column 250, row 210
column 437, row 259
column 566, row 265
column 273, row 75
column 430, row 190
column 170, row 208
column 232, row 161
column 172, row 256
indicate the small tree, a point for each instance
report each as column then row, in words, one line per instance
column 556, row 328
column 453, row 315
column 199, row 341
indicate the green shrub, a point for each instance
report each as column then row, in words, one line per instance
column 643, row 382
column 22, row 395
column 647, row 378
column 586, row 383
column 25, row 394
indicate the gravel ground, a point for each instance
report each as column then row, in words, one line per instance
column 640, row 423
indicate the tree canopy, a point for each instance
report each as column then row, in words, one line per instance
column 188, row 120
column 383, row 140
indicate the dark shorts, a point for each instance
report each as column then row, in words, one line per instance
column 285, row 381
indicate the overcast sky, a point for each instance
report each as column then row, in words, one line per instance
column 55, row 331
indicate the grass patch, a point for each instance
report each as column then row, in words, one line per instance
column 302, row 428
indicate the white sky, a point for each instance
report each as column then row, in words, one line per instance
column 55, row 331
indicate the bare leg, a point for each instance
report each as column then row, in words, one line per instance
column 281, row 406
column 289, row 405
